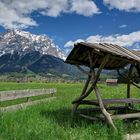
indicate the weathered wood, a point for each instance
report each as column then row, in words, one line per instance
column 105, row 113
column 132, row 82
column 129, row 82
column 126, row 116
column 106, row 58
column 118, row 53
column 75, row 106
column 111, row 101
column 107, row 108
column 135, row 84
column 89, row 117
column 16, row 94
column 24, row 105
column 138, row 68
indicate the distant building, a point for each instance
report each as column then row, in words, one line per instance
column 111, row 82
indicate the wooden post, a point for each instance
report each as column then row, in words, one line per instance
column 129, row 81
column 128, row 88
column 75, row 106
column 103, row 110
column 138, row 69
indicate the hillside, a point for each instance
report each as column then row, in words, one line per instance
column 22, row 51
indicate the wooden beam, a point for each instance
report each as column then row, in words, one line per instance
column 128, row 80
column 16, row 94
column 107, row 108
column 89, row 117
column 126, row 116
column 138, row 69
column 135, row 84
column 24, row 105
column 132, row 82
column 105, row 113
column 75, row 106
column 111, row 101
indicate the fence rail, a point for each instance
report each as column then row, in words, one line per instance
column 16, row 94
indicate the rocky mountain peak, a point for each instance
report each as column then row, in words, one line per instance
column 24, row 42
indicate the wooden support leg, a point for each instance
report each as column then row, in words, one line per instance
column 129, row 82
column 75, row 105
column 94, row 79
column 105, row 113
column 138, row 69
column 74, row 108
column 94, row 87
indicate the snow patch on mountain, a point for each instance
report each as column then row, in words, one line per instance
column 23, row 42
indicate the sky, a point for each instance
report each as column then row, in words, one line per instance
column 71, row 21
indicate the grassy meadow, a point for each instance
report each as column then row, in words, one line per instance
column 53, row 121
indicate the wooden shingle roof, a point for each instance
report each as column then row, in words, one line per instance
column 136, row 52
column 119, row 56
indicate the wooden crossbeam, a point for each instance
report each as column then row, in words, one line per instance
column 132, row 82
column 110, row 101
column 126, row 116
column 24, row 105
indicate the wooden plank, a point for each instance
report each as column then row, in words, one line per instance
column 16, row 94
column 110, row 101
column 107, row 108
column 24, row 105
column 126, row 116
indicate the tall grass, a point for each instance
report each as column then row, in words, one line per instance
column 53, row 120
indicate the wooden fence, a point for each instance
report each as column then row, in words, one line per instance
column 18, row 94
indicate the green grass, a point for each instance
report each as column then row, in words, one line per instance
column 53, row 121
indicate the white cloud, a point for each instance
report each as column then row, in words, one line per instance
column 126, row 5
column 17, row 13
column 131, row 40
column 85, row 7
column 123, row 26
column 122, row 40
column 71, row 43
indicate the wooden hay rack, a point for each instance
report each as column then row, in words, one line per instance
column 110, row 57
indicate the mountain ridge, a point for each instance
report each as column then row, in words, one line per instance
column 22, row 42
column 22, row 51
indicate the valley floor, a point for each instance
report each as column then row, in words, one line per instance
column 53, row 120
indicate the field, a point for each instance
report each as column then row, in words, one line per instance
column 53, row 120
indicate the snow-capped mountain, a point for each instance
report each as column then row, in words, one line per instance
column 24, row 52
column 23, row 42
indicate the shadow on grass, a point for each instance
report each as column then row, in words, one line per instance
column 64, row 118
